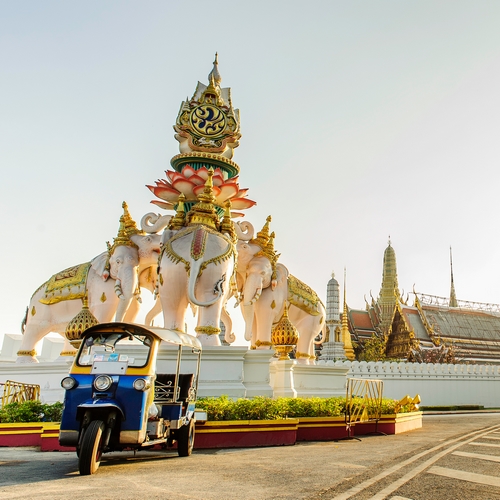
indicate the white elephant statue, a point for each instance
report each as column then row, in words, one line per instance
column 111, row 282
column 265, row 286
column 196, row 266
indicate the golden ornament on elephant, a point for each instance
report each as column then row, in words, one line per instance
column 284, row 336
column 75, row 328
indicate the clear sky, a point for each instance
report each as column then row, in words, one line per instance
column 361, row 120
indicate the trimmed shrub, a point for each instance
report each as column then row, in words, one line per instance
column 30, row 411
column 263, row 408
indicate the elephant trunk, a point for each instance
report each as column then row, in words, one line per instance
column 248, row 315
column 193, row 277
column 152, row 223
column 125, row 288
column 252, row 289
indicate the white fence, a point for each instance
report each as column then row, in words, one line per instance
column 437, row 384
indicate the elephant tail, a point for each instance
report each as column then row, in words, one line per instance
column 229, row 336
column 25, row 320
column 323, row 333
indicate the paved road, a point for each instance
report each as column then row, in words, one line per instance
column 453, row 457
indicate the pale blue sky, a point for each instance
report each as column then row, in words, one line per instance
column 360, row 120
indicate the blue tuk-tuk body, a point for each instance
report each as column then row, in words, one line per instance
column 115, row 399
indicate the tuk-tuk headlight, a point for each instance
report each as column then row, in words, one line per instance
column 68, row 383
column 102, row 383
column 140, row 384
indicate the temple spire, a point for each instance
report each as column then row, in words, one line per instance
column 453, row 296
column 345, row 335
column 214, row 75
column 389, row 291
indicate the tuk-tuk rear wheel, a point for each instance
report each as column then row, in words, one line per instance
column 91, row 448
column 185, row 439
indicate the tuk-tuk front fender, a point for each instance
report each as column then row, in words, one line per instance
column 99, row 406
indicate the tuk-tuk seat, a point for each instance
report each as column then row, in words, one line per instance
column 164, row 386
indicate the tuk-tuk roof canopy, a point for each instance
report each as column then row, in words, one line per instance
column 170, row 336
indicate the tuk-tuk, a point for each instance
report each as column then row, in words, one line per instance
column 115, row 400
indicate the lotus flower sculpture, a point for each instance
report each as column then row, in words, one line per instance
column 191, row 182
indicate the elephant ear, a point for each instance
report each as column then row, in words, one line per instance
column 281, row 273
column 100, row 265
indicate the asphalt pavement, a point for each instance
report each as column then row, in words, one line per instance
column 452, row 457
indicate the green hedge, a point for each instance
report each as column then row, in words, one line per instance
column 30, row 411
column 262, row 408
column 221, row 408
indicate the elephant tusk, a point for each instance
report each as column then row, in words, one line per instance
column 255, row 298
column 118, row 289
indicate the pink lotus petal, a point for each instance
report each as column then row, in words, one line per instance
column 217, row 180
column 177, row 176
column 163, row 182
column 196, row 179
column 184, row 186
column 236, row 214
column 203, row 173
column 242, row 193
column 226, row 191
column 199, row 189
column 233, row 180
column 163, row 204
column 170, row 174
column 165, row 193
column 188, row 171
column 242, row 203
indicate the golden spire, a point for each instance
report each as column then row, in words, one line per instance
column 263, row 235
column 214, row 75
column 204, row 211
column 453, row 296
column 126, row 229
column 130, row 224
column 179, row 220
column 284, row 336
column 227, row 225
column 389, row 291
column 345, row 335
column 83, row 320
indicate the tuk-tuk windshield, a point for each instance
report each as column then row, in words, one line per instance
column 115, row 346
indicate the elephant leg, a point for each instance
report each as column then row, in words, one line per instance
column 264, row 318
column 174, row 304
column 32, row 338
column 208, row 325
column 132, row 311
column 309, row 329
column 151, row 315
column 68, row 349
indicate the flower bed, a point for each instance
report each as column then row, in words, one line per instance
column 236, row 424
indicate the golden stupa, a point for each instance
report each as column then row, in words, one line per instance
column 284, row 336
column 75, row 328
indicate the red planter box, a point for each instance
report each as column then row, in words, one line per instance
column 233, row 434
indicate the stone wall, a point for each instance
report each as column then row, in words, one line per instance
column 437, row 384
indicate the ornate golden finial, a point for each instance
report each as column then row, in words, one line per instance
column 214, row 75
column 263, row 235
column 83, row 320
column 179, row 220
column 130, row 224
column 284, row 336
column 344, row 333
column 204, row 211
column 227, row 225
column 125, row 230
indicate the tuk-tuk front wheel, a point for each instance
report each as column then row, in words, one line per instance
column 185, row 439
column 91, row 449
